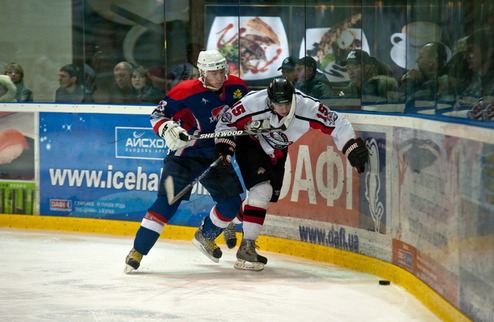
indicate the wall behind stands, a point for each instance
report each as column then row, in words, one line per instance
column 425, row 205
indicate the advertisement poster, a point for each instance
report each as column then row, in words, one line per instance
column 17, row 198
column 105, row 166
column 476, row 229
column 321, row 185
column 256, row 39
column 428, row 166
column 17, row 146
column 325, row 201
column 254, row 44
column 17, row 163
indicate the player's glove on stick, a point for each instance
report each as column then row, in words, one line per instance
column 225, row 148
column 277, row 154
column 173, row 135
column 357, row 154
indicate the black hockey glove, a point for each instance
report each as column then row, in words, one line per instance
column 225, row 147
column 357, row 154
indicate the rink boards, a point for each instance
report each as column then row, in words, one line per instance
column 421, row 215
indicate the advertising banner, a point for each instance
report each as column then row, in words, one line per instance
column 325, row 201
column 321, row 185
column 428, row 176
column 105, row 166
column 17, row 163
column 17, row 198
column 17, row 146
column 256, row 39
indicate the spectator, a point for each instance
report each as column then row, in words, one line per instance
column 16, row 74
column 146, row 92
column 71, row 89
column 425, row 81
column 480, row 60
column 310, row 80
column 122, row 91
column 370, row 79
column 479, row 91
column 7, row 89
column 288, row 69
column 457, row 71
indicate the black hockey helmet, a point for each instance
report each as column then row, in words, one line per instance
column 280, row 90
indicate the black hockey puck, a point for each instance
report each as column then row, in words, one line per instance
column 384, row 282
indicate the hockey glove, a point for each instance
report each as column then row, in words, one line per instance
column 258, row 126
column 277, row 154
column 175, row 136
column 225, row 147
column 357, row 154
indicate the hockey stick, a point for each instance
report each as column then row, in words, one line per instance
column 170, row 189
column 251, row 131
column 216, row 135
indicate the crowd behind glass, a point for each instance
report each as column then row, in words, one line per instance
column 460, row 80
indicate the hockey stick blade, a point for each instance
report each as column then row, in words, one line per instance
column 170, row 189
column 169, row 181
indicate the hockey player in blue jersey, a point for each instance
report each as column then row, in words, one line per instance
column 193, row 107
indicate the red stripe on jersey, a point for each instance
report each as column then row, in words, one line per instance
column 186, row 118
column 153, row 216
column 321, row 127
column 157, row 125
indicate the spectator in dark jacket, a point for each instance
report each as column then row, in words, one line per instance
column 146, row 92
column 71, row 88
column 311, row 81
column 370, row 79
column 424, row 82
column 122, row 91
column 287, row 69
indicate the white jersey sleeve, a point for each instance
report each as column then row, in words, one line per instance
column 321, row 117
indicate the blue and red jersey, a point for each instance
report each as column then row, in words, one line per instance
column 196, row 109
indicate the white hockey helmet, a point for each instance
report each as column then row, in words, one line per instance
column 211, row 60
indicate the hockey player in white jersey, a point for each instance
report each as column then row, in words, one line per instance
column 280, row 115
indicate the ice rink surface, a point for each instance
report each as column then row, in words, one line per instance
column 55, row 276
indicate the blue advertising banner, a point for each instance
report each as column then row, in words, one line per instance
column 105, row 166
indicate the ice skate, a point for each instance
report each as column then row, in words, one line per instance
column 247, row 257
column 230, row 235
column 207, row 247
column 133, row 261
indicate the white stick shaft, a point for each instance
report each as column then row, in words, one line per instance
column 169, row 183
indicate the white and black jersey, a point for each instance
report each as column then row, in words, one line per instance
column 307, row 113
